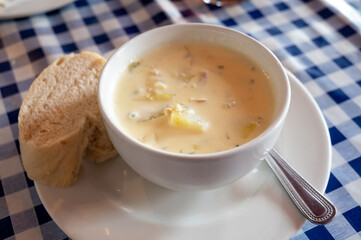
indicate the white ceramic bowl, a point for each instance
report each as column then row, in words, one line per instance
column 192, row 171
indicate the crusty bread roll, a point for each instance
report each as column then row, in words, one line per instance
column 60, row 121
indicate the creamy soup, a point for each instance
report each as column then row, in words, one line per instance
column 194, row 98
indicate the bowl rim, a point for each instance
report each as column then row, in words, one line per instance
column 279, row 118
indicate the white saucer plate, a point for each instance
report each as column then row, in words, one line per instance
column 24, row 8
column 111, row 201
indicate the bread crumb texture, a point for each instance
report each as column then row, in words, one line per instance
column 60, row 122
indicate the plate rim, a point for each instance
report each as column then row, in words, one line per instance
column 324, row 126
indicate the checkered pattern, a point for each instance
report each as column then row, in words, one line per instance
column 311, row 38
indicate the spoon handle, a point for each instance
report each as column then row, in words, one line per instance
column 312, row 204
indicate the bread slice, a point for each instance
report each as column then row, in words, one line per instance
column 60, row 121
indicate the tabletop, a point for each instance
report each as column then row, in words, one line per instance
column 318, row 41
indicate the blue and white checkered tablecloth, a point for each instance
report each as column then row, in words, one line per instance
column 316, row 40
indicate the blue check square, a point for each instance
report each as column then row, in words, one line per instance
column 336, row 136
column 356, row 165
column 342, row 62
column 320, row 42
column 353, row 216
column 319, row 232
column 27, row 33
column 9, row 90
column 256, row 14
column 325, row 13
column 299, row 23
column 347, row 31
column 338, row 96
column 333, row 184
column 4, row 66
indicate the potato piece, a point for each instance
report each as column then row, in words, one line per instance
column 247, row 130
column 159, row 85
column 132, row 66
column 181, row 116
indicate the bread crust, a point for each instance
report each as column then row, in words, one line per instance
column 60, row 122
column 56, row 164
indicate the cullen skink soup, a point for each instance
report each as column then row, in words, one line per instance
column 194, row 98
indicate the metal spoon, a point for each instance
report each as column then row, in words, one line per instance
column 312, row 204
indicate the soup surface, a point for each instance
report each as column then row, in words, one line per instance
column 194, row 98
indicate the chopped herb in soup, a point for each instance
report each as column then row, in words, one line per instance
column 194, row 98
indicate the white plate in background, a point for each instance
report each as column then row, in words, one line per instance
column 24, row 8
